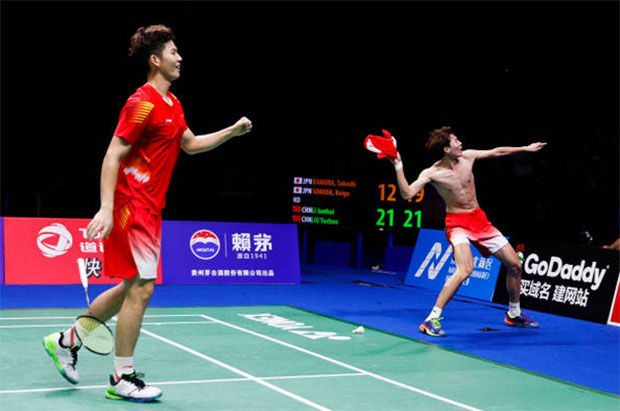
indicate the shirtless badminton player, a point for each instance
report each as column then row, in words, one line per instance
column 466, row 223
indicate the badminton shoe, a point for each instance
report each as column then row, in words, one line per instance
column 522, row 320
column 64, row 358
column 433, row 328
column 131, row 388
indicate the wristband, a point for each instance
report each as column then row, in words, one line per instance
column 398, row 166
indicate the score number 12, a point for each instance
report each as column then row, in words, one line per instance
column 387, row 193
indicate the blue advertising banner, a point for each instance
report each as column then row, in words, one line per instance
column 432, row 264
column 199, row 252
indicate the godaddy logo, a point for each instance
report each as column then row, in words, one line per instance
column 582, row 272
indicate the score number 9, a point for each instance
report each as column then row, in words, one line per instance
column 392, row 193
column 387, row 192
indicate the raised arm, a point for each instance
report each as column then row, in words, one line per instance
column 407, row 190
column 193, row 144
column 502, row 151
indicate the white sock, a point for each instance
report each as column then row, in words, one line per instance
column 436, row 313
column 69, row 339
column 123, row 365
column 514, row 309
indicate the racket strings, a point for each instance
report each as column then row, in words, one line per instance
column 86, row 325
column 94, row 335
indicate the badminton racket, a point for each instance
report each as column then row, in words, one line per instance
column 93, row 333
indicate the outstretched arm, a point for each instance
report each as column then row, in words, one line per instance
column 503, row 151
column 407, row 190
column 193, row 144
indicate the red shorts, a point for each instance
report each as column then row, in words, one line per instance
column 474, row 227
column 134, row 244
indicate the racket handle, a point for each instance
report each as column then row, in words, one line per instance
column 83, row 277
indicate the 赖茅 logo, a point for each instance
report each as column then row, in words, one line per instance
column 204, row 244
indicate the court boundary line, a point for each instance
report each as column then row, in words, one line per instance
column 345, row 365
column 74, row 316
column 14, row 326
column 238, row 371
column 208, row 381
column 455, row 351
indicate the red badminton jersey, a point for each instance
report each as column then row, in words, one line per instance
column 155, row 129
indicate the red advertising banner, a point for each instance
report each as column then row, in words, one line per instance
column 614, row 315
column 47, row 250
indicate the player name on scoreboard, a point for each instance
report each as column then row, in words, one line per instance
column 321, row 200
column 323, row 187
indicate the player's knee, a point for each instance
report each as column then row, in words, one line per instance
column 147, row 289
column 464, row 270
column 468, row 268
column 142, row 291
column 514, row 268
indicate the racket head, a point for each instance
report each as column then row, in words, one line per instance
column 94, row 334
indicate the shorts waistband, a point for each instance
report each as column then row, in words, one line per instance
column 475, row 211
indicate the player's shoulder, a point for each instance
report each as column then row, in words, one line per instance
column 430, row 171
column 470, row 154
column 141, row 99
column 143, row 93
column 434, row 168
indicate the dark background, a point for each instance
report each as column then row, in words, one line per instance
column 315, row 78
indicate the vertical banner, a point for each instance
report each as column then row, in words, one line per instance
column 432, row 264
column 568, row 280
column 196, row 252
column 46, row 251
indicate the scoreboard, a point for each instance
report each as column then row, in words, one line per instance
column 394, row 212
column 351, row 203
column 325, row 201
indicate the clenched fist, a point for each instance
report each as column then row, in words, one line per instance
column 241, row 127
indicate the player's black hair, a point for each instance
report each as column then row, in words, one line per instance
column 437, row 140
column 149, row 40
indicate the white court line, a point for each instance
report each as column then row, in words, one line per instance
column 37, row 318
column 259, row 380
column 73, row 317
column 217, row 380
column 238, row 371
column 345, row 365
column 111, row 325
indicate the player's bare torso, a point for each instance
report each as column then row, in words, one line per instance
column 455, row 183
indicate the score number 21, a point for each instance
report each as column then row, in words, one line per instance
column 390, row 217
column 389, row 213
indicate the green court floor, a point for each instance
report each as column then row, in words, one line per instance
column 272, row 358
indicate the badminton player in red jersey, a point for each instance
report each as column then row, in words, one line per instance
column 466, row 223
column 135, row 175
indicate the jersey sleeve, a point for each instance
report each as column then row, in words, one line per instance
column 181, row 114
column 133, row 119
column 183, row 122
